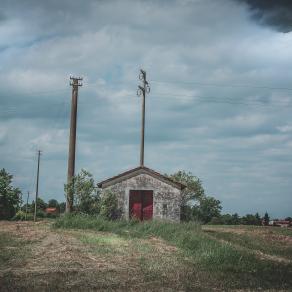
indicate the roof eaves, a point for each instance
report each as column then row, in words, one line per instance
column 145, row 170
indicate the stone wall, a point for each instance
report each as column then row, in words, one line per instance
column 166, row 198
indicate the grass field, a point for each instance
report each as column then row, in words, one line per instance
column 84, row 253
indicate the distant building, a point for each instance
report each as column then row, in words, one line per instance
column 145, row 194
column 281, row 223
column 51, row 211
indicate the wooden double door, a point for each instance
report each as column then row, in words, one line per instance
column 141, row 204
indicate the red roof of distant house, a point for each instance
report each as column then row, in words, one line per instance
column 281, row 222
column 51, row 210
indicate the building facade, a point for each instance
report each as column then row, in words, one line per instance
column 145, row 194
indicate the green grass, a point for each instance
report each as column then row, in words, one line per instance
column 226, row 264
column 269, row 229
column 146, row 262
column 12, row 250
column 106, row 244
column 257, row 242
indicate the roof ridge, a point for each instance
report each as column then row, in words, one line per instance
column 142, row 167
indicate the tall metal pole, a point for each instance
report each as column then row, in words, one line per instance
column 142, row 90
column 75, row 83
column 37, row 187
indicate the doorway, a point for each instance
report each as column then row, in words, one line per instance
column 141, row 204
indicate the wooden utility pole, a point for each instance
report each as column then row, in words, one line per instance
column 37, row 187
column 75, row 83
column 26, row 204
column 142, row 90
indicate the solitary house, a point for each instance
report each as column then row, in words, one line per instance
column 142, row 192
column 145, row 194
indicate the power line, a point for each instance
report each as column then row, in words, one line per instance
column 33, row 93
column 18, row 110
column 220, row 100
column 223, row 85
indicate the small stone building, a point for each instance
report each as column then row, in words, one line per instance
column 145, row 194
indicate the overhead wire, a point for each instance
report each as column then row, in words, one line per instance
column 62, row 110
column 227, row 100
column 223, row 85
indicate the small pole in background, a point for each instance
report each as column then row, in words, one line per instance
column 26, row 204
column 20, row 207
column 37, row 186
column 142, row 90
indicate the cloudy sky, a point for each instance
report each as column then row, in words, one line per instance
column 220, row 104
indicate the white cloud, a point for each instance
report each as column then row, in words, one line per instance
column 230, row 136
column 285, row 129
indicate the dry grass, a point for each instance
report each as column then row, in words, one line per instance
column 35, row 257
column 91, row 260
column 267, row 242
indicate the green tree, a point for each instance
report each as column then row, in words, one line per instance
column 109, row 206
column 208, row 208
column 194, row 190
column 53, row 203
column 235, row 219
column 10, row 197
column 86, row 194
column 41, row 205
column 187, row 213
column 217, row 221
column 250, row 219
column 266, row 219
column 62, row 207
column 258, row 219
column 226, row 219
column 195, row 205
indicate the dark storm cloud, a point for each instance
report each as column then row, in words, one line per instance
column 2, row 16
column 275, row 13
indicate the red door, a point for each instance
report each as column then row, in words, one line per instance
column 141, row 204
column 147, row 205
column 135, row 205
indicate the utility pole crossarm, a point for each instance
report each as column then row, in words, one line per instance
column 143, row 90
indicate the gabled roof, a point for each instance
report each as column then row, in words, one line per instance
column 136, row 171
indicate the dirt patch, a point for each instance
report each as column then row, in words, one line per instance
column 58, row 259
column 279, row 238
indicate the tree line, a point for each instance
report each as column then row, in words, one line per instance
column 87, row 200
column 196, row 205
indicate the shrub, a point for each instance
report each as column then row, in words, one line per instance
column 51, row 215
column 109, row 206
column 216, row 221
column 86, row 195
column 10, row 197
column 20, row 216
column 40, row 214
